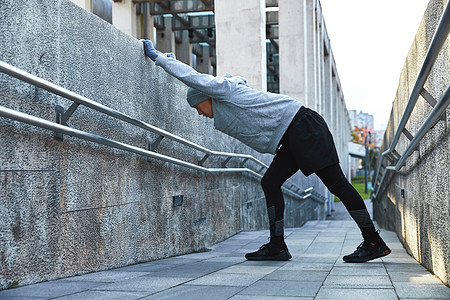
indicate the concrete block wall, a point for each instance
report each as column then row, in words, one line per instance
column 72, row 207
column 416, row 202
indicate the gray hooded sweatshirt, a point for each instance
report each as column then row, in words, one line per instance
column 258, row 119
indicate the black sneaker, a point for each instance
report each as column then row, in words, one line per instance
column 269, row 252
column 367, row 251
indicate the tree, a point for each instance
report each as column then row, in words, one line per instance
column 359, row 135
column 372, row 157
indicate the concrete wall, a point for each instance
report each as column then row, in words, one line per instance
column 71, row 207
column 241, row 40
column 421, row 217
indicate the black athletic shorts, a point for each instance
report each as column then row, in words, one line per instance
column 309, row 142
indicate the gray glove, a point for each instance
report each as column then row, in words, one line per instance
column 150, row 50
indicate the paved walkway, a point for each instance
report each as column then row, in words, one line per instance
column 316, row 271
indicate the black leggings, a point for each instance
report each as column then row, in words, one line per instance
column 336, row 182
column 283, row 167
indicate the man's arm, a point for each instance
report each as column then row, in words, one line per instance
column 216, row 87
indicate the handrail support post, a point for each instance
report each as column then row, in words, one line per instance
column 224, row 163
column 202, row 161
column 427, row 96
column 62, row 116
column 243, row 162
column 407, row 134
column 430, row 99
column 156, row 143
column 396, row 154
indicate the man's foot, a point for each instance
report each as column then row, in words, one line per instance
column 269, row 252
column 367, row 251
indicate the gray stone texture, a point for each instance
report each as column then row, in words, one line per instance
column 72, row 207
column 421, row 217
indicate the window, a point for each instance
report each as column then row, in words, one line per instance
column 103, row 9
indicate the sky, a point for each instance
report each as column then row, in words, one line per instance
column 370, row 41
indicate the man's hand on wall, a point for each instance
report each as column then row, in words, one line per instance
column 150, row 50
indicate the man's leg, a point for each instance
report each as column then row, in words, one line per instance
column 338, row 184
column 281, row 168
column 334, row 179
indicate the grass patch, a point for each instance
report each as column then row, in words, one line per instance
column 358, row 184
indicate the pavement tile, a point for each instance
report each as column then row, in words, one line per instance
column 282, row 288
column 325, row 247
column 197, row 256
column 230, row 259
column 402, row 267
column 195, row 292
column 348, row 294
column 311, row 224
column 159, row 264
column 104, row 295
column 246, row 235
column 399, row 260
column 300, row 275
column 179, row 260
column 56, row 288
column 307, row 267
column 234, row 242
column 298, row 242
column 21, row 298
column 333, row 233
column 243, row 251
column 314, row 259
column 297, row 250
column 232, row 254
column 350, row 281
column 397, row 253
column 148, row 284
column 320, row 254
column 368, row 270
column 227, row 248
column 304, row 234
column 330, row 240
column 142, row 268
column 416, row 277
column 193, row 270
column 248, row 269
column 354, row 236
column 226, row 279
column 259, row 297
column 422, row 290
column 351, row 243
column 106, row 276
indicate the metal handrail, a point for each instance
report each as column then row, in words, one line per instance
column 434, row 49
column 55, row 89
column 293, row 190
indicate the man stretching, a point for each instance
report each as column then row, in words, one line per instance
column 280, row 125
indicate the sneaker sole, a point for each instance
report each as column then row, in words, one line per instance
column 278, row 258
column 375, row 256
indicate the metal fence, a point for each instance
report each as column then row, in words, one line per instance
column 439, row 107
column 61, row 128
